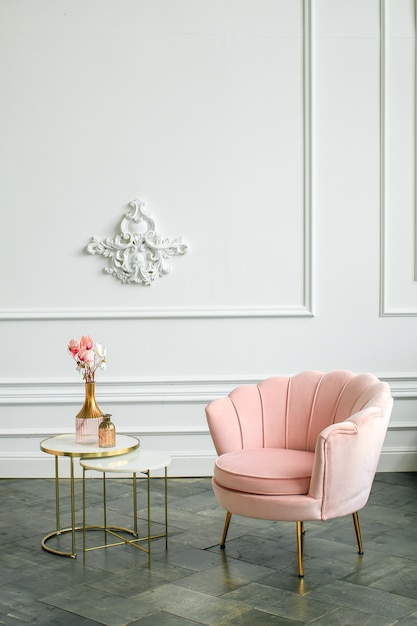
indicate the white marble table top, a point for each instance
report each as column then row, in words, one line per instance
column 141, row 460
column 65, row 445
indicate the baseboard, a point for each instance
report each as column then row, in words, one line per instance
column 398, row 460
column 43, row 466
column 182, row 465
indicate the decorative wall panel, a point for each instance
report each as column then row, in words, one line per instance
column 216, row 128
column 398, row 160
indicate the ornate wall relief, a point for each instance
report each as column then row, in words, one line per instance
column 138, row 253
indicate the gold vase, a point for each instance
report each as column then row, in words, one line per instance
column 88, row 419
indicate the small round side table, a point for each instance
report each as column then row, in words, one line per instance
column 141, row 461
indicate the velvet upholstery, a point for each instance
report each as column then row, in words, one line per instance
column 299, row 448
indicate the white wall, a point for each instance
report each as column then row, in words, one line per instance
column 277, row 137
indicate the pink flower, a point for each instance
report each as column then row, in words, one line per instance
column 73, row 347
column 89, row 356
column 86, row 342
column 86, row 356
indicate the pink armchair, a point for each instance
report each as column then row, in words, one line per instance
column 299, row 448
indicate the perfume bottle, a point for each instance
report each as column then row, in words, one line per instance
column 106, row 433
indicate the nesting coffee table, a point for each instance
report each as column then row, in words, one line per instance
column 66, row 446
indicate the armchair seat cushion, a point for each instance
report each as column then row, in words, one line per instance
column 265, row 471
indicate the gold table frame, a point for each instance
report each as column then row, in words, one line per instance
column 66, row 446
column 140, row 461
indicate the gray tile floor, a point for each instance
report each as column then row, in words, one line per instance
column 254, row 581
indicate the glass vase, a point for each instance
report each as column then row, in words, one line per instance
column 88, row 419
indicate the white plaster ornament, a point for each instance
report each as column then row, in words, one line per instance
column 137, row 254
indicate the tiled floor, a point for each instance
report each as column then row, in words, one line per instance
column 254, row 581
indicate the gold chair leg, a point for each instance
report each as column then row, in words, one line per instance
column 225, row 529
column 300, row 533
column 358, row 532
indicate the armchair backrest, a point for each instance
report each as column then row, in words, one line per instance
column 289, row 412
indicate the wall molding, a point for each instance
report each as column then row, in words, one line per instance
column 153, row 390
column 183, row 464
column 146, row 390
column 41, row 465
column 386, row 310
column 33, row 315
column 305, row 309
column 383, row 183
column 308, row 63
column 19, row 433
column 415, row 143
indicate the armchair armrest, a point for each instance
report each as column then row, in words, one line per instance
column 345, row 462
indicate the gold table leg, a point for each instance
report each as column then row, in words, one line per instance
column 166, row 508
column 149, row 517
column 74, row 551
column 57, row 515
column 135, row 505
column 61, row 531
